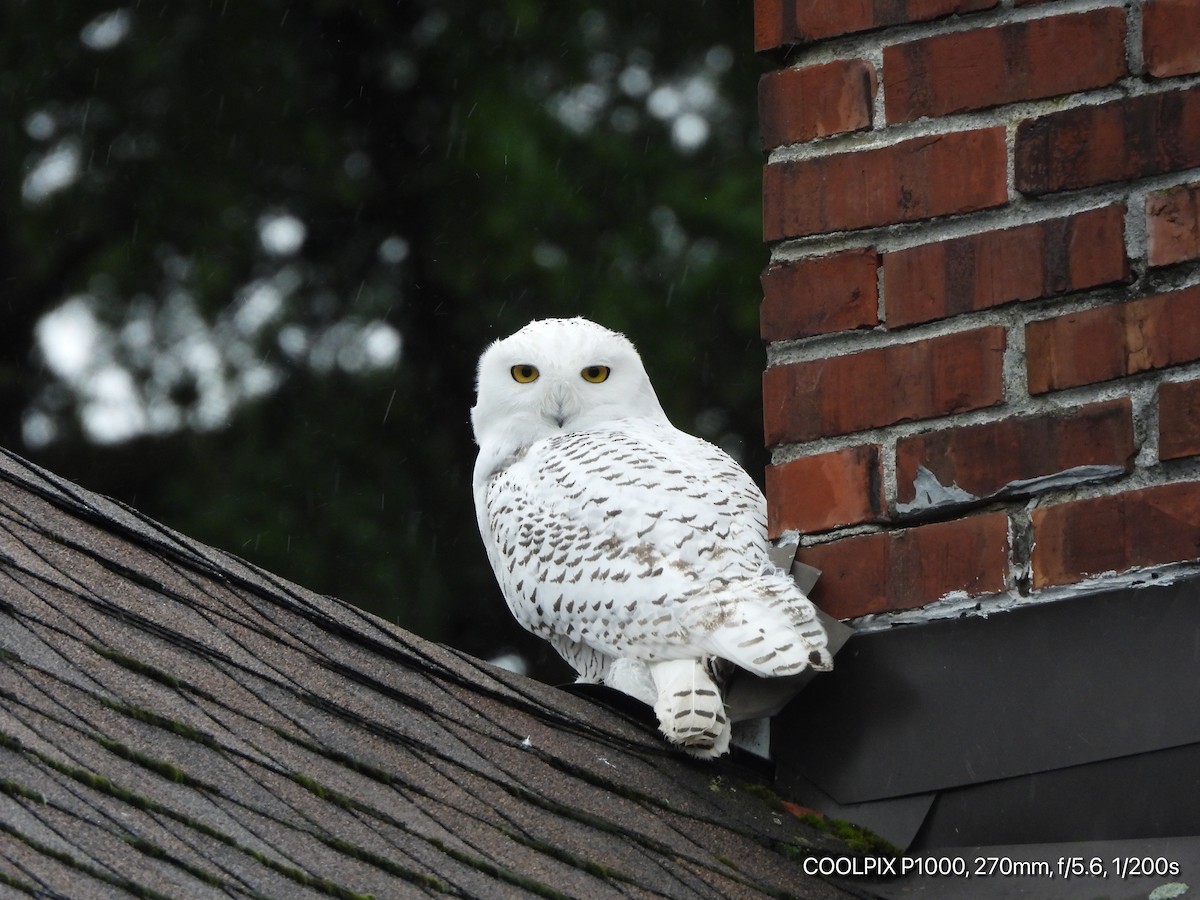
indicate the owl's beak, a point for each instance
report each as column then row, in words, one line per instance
column 561, row 405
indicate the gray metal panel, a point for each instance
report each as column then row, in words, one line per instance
column 929, row 707
column 1145, row 796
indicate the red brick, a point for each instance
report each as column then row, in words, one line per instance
column 1178, row 419
column 1171, row 37
column 823, row 491
column 1113, row 341
column 915, row 179
column 979, row 271
column 820, row 295
column 965, row 70
column 1151, row 527
column 1173, row 223
column 922, row 380
column 801, row 104
column 778, row 23
column 903, row 569
column 1134, row 137
column 985, row 460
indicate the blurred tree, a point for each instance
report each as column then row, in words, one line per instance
column 250, row 253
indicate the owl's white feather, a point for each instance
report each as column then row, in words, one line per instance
column 618, row 537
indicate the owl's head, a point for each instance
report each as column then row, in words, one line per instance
column 556, row 376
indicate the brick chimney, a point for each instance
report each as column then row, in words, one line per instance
column 982, row 307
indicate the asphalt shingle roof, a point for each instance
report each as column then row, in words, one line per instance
column 176, row 722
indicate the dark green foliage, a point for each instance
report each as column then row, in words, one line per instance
column 440, row 194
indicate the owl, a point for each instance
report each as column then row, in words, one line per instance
column 638, row 551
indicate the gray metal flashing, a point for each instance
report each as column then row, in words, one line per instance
column 1066, row 721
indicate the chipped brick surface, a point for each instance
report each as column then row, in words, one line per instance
column 921, row 380
column 979, row 271
column 1016, row 454
column 802, row 104
column 778, row 23
column 820, row 295
column 826, row 490
column 1171, row 37
column 895, row 570
column 1173, row 225
column 1113, row 341
column 1179, row 419
column 1134, row 137
column 966, row 70
column 919, row 178
column 1135, row 529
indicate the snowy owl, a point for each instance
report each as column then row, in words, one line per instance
column 638, row 551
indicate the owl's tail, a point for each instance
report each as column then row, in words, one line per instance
column 690, row 710
column 768, row 627
column 767, row 644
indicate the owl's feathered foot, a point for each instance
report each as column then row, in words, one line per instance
column 690, row 710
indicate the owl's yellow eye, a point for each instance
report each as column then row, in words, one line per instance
column 595, row 374
column 524, row 373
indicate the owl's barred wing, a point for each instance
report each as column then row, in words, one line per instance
column 643, row 541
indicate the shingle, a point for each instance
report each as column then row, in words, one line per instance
column 174, row 721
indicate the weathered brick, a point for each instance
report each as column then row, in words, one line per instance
column 920, row 380
column 823, row 491
column 1151, row 527
column 966, row 70
column 778, row 23
column 1178, row 419
column 911, row 567
column 1113, row 341
column 1171, row 37
column 801, row 104
column 1173, row 223
column 915, row 179
column 933, row 281
column 1133, row 137
column 1017, row 456
column 820, row 295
